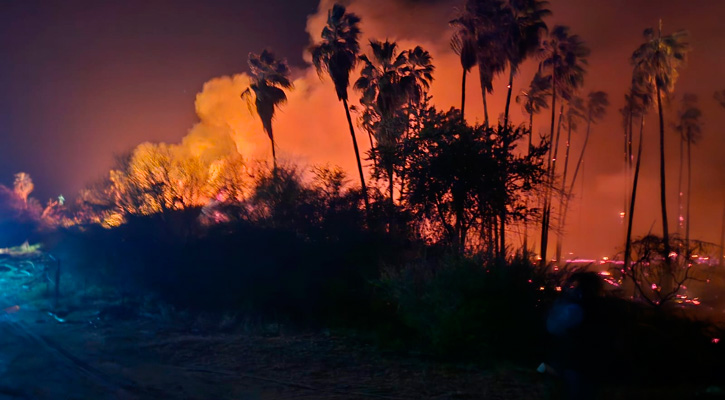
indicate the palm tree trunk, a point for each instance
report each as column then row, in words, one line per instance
column 680, row 218
column 357, row 156
column 689, row 194
column 483, row 93
column 628, row 243
column 508, row 97
column 552, row 173
column 663, row 192
column 581, row 158
column 404, row 160
column 502, row 236
column 463, row 96
column 556, row 145
column 627, row 133
column 274, row 154
column 564, row 197
column 526, row 219
column 373, row 152
column 531, row 130
column 722, row 237
column 545, row 215
column 629, row 141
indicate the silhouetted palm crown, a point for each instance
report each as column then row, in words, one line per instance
column 269, row 77
column 533, row 99
column 564, row 58
column 337, row 53
column 656, row 61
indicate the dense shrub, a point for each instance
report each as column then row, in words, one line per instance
column 459, row 307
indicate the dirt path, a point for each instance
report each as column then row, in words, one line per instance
column 84, row 358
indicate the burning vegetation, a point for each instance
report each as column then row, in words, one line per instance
column 439, row 244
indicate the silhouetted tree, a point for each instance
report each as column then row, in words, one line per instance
column 533, row 99
column 523, row 29
column 595, row 109
column 720, row 98
column 459, row 178
column 564, row 57
column 337, row 55
column 656, row 63
column 491, row 55
column 575, row 112
column 641, row 101
column 390, row 82
column 463, row 44
column 690, row 128
column 269, row 77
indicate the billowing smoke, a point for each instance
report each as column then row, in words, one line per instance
column 311, row 127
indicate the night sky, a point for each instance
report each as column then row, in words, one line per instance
column 84, row 80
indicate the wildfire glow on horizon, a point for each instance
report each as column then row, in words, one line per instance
column 71, row 139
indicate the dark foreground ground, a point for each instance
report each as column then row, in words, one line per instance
column 85, row 357
column 94, row 347
column 88, row 356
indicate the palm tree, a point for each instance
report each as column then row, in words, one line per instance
column 524, row 27
column 385, row 91
column 641, row 101
column 627, row 112
column 491, row 56
column 575, row 112
column 533, row 99
column 337, row 55
column 417, row 79
column 690, row 129
column 595, row 109
column 564, row 57
column 720, row 98
column 463, row 44
column 418, row 74
column 269, row 77
column 656, row 63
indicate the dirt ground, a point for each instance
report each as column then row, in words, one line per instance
column 85, row 357
column 96, row 349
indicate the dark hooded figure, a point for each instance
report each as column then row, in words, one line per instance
column 576, row 325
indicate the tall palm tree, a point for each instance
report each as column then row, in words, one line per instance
column 269, row 77
column 524, row 28
column 641, row 101
column 463, row 43
column 594, row 110
column 491, row 55
column 575, row 112
column 385, row 91
column 720, row 98
column 337, row 56
column 564, row 58
column 627, row 112
column 656, row 63
column 418, row 74
column 417, row 80
column 690, row 129
column 533, row 99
